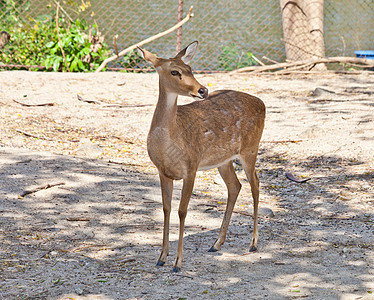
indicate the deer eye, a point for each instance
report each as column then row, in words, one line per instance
column 175, row 73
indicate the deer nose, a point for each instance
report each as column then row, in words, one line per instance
column 203, row 92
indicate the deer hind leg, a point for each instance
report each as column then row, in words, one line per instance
column 167, row 194
column 187, row 188
column 249, row 162
column 227, row 173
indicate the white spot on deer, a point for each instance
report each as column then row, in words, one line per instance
column 237, row 124
column 208, row 132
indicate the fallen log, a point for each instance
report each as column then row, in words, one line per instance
column 288, row 66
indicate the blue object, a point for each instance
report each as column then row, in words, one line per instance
column 369, row 54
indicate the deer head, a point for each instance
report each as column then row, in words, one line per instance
column 175, row 74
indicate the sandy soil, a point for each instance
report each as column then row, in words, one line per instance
column 97, row 233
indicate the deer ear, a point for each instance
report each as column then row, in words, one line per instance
column 187, row 53
column 148, row 56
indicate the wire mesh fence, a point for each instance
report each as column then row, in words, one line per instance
column 231, row 34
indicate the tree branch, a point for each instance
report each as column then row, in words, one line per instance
column 150, row 39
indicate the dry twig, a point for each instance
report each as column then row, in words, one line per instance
column 284, row 141
column 259, row 61
column 123, row 163
column 63, row 10
column 115, row 44
column 127, row 105
column 37, row 189
column 59, row 39
column 42, row 137
column 30, row 105
column 77, row 219
column 269, row 59
column 112, row 105
column 80, row 98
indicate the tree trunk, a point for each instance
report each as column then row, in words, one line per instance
column 303, row 30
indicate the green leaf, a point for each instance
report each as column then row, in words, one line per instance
column 79, row 39
column 85, row 51
column 50, row 44
column 73, row 66
column 56, row 65
column 81, row 65
column 47, row 62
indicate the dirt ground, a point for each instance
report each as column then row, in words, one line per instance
column 97, row 233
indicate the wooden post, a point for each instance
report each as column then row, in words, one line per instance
column 179, row 31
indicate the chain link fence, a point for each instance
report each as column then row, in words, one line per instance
column 229, row 32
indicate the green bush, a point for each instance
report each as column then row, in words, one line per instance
column 232, row 58
column 76, row 46
column 131, row 60
column 38, row 43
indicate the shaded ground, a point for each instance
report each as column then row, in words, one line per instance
column 98, row 234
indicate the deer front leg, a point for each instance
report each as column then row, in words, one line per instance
column 185, row 199
column 167, row 194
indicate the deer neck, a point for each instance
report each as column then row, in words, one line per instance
column 166, row 110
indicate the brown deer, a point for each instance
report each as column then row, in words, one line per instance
column 202, row 135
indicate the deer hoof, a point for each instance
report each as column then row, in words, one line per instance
column 176, row 269
column 212, row 249
column 253, row 249
column 160, row 263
